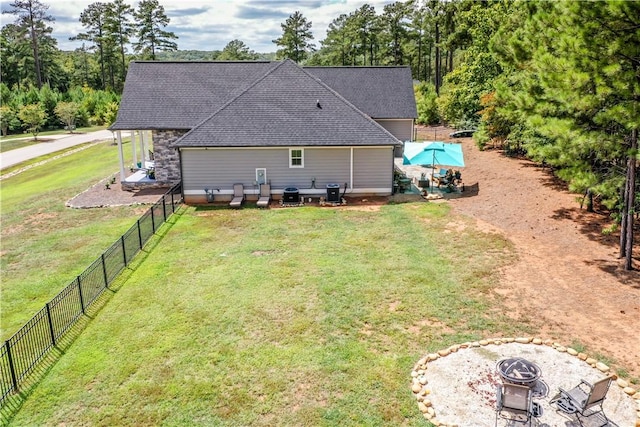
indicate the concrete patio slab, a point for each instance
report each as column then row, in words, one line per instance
column 457, row 387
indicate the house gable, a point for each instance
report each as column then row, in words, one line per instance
column 287, row 107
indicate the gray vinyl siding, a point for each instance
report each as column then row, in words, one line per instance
column 221, row 168
column 372, row 168
column 401, row 129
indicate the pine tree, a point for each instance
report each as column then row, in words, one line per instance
column 576, row 66
column 32, row 15
column 93, row 19
column 151, row 18
column 295, row 41
column 120, row 29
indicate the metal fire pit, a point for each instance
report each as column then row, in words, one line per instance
column 517, row 370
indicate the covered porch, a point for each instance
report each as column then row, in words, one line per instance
column 141, row 170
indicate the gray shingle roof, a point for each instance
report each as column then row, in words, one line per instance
column 380, row 92
column 281, row 109
column 179, row 95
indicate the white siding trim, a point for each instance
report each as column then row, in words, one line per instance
column 303, row 191
column 315, row 147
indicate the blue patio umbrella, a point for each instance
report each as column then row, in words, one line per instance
column 433, row 153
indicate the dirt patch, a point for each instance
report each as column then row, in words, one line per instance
column 568, row 283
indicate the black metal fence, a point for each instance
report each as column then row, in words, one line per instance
column 21, row 354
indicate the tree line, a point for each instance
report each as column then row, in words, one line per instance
column 31, row 57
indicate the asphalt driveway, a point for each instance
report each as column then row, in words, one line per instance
column 59, row 142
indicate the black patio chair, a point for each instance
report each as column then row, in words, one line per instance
column 585, row 401
column 514, row 403
column 238, row 196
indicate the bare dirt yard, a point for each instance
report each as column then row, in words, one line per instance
column 568, row 282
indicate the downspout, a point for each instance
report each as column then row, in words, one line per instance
column 350, row 172
column 182, row 190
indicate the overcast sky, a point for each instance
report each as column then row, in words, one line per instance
column 211, row 24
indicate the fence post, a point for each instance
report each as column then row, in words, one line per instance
column 53, row 334
column 173, row 205
column 153, row 221
column 139, row 233
column 104, row 271
column 14, row 377
column 124, row 250
column 164, row 208
column 80, row 293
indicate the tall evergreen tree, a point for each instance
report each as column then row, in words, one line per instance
column 335, row 47
column 118, row 24
column 576, row 65
column 295, row 41
column 93, row 18
column 32, row 15
column 366, row 27
column 151, row 20
column 15, row 54
column 395, row 22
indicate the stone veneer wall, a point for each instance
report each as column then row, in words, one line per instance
column 167, row 158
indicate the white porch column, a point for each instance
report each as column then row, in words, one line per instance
column 120, row 152
column 143, row 144
column 143, row 136
column 133, row 148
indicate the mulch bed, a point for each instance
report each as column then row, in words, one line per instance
column 98, row 196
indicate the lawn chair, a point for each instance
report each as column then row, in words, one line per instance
column 238, row 196
column 514, row 403
column 265, row 195
column 582, row 400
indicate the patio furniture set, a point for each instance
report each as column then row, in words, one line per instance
column 238, row 196
column 521, row 386
column 450, row 179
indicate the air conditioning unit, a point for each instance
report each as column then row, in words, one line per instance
column 291, row 195
column 333, row 193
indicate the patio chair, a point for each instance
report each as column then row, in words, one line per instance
column 514, row 403
column 238, row 196
column 265, row 195
column 585, row 401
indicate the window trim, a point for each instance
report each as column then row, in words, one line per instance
column 291, row 158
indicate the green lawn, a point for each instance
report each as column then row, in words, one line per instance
column 280, row 317
column 44, row 244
